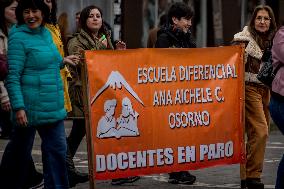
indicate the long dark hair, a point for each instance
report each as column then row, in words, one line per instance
column 272, row 28
column 52, row 15
column 31, row 4
column 83, row 21
column 3, row 24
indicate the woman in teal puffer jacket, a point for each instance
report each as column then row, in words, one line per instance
column 34, row 81
column 36, row 94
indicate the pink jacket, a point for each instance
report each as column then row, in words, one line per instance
column 278, row 58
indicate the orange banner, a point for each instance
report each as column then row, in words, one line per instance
column 165, row 110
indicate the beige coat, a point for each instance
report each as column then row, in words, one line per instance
column 3, row 49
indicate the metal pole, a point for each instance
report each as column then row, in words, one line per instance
column 81, row 4
column 156, row 14
column 243, row 13
column 217, row 22
column 204, row 23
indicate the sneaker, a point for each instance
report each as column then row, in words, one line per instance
column 182, row 177
column 243, row 184
column 77, row 177
column 121, row 181
column 36, row 181
column 39, row 185
column 4, row 136
column 254, row 183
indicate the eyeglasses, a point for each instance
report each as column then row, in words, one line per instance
column 265, row 19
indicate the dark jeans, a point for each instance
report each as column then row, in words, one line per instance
column 277, row 113
column 74, row 139
column 16, row 160
column 16, row 157
column 5, row 123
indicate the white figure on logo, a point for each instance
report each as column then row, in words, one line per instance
column 106, row 125
column 127, row 121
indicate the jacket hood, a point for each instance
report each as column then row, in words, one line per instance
column 168, row 31
column 177, row 37
column 24, row 28
column 85, row 39
column 252, row 47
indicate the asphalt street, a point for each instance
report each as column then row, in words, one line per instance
column 209, row 178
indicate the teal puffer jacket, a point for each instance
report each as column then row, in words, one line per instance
column 33, row 82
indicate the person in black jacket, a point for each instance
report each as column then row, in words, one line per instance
column 177, row 35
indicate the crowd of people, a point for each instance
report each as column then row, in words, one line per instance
column 42, row 83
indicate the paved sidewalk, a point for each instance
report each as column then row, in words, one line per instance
column 221, row 177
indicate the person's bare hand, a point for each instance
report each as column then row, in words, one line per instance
column 6, row 106
column 104, row 42
column 120, row 45
column 21, row 118
column 72, row 60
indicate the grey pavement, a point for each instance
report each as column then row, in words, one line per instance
column 220, row 177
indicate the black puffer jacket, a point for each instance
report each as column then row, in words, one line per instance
column 168, row 37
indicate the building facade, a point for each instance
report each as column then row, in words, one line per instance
column 215, row 21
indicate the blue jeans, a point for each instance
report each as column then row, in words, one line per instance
column 277, row 113
column 54, row 149
column 18, row 153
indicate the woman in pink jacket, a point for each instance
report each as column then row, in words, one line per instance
column 277, row 95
